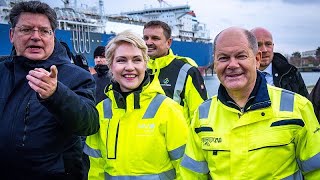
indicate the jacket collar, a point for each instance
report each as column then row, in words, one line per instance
column 161, row 62
column 101, row 69
column 147, row 89
column 259, row 97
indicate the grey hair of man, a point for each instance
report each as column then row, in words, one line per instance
column 252, row 40
column 35, row 7
column 166, row 28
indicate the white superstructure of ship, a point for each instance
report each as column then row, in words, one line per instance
column 181, row 19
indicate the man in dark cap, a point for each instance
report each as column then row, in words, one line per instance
column 101, row 77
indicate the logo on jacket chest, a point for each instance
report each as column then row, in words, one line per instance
column 145, row 128
column 207, row 141
column 165, row 82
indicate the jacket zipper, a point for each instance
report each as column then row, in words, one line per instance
column 26, row 117
column 284, row 75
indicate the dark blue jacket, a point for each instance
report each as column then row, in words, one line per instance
column 35, row 133
column 314, row 97
column 102, row 80
column 287, row 76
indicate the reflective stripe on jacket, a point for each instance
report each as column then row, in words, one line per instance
column 280, row 141
column 142, row 137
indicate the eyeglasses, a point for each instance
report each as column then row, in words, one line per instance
column 43, row 32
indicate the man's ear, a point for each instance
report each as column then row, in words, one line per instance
column 258, row 59
column 11, row 35
column 169, row 42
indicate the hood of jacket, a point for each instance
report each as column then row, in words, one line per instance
column 281, row 64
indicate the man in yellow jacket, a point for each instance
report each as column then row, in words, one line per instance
column 250, row 130
column 179, row 77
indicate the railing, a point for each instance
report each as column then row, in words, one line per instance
column 81, row 39
column 308, row 68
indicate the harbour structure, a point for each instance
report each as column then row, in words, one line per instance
column 83, row 29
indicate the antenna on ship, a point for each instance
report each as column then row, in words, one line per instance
column 162, row 3
column 66, row 3
column 101, row 8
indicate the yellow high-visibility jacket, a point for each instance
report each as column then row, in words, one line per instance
column 181, row 81
column 141, row 136
column 276, row 136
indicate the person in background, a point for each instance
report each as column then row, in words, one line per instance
column 275, row 66
column 178, row 76
column 47, row 102
column 102, row 78
column 92, row 70
column 314, row 97
column 250, row 124
column 138, row 138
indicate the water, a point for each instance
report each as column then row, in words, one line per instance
column 310, row 78
column 212, row 82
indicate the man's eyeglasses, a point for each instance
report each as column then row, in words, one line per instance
column 43, row 32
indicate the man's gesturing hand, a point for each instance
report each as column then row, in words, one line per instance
column 43, row 82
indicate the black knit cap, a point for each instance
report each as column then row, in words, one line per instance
column 99, row 51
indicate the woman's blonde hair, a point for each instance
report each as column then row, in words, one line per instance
column 125, row 37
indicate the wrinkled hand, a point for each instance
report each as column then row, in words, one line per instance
column 43, row 82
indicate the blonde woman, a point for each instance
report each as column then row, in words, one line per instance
column 142, row 132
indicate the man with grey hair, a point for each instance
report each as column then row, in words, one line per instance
column 46, row 102
column 275, row 66
column 250, row 124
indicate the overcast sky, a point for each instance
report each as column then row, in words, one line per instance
column 295, row 24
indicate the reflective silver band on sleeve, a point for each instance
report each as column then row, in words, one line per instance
column 182, row 76
column 107, row 111
column 168, row 175
column 204, row 109
column 193, row 165
column 154, row 106
column 177, row 153
column 91, row 152
column 296, row 176
column 311, row 164
column 287, row 101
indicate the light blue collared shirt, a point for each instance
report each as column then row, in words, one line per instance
column 269, row 76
